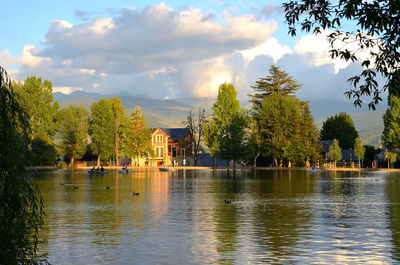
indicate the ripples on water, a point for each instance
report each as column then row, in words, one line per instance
column 281, row 217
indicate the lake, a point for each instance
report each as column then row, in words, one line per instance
column 280, row 217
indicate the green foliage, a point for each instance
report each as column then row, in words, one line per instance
column 62, row 165
column 391, row 157
column 359, row 150
column 119, row 117
column 21, row 207
column 73, row 131
column 335, row 152
column 377, row 34
column 136, row 137
column 226, row 130
column 255, row 141
column 278, row 82
column 391, row 131
column 288, row 129
column 43, row 153
column 36, row 98
column 101, row 129
column 340, row 127
column 210, row 136
column 303, row 146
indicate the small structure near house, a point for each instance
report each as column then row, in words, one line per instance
column 348, row 156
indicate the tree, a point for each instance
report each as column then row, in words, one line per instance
column 21, row 207
column 377, row 34
column 359, row 150
column 335, row 152
column 119, row 114
column 73, row 131
column 278, row 82
column 340, row 127
column 210, row 128
column 255, row 142
column 37, row 99
column 43, row 153
column 195, row 131
column 391, row 157
column 391, row 131
column 278, row 119
column 136, row 137
column 229, row 120
column 308, row 141
column 101, row 130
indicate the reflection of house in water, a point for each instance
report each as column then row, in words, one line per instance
column 168, row 146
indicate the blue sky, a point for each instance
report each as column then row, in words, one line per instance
column 170, row 49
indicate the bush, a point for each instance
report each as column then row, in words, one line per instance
column 61, row 165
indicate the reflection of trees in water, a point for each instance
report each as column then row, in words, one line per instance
column 393, row 210
column 341, row 192
column 226, row 217
column 281, row 213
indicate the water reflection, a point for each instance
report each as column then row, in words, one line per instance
column 180, row 217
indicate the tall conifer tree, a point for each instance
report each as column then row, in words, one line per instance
column 279, row 82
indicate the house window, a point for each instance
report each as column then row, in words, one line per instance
column 159, row 138
column 159, row 151
column 173, row 151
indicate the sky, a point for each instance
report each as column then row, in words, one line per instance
column 164, row 50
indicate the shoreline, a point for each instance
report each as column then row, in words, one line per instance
column 227, row 168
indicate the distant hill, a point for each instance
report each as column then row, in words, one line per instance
column 171, row 113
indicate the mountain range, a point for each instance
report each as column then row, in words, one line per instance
column 171, row 112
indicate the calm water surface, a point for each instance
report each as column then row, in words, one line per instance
column 279, row 217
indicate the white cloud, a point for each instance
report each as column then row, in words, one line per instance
column 270, row 47
column 157, row 49
column 6, row 59
column 167, row 53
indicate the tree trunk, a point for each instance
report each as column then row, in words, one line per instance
column 98, row 161
column 214, row 161
column 71, row 163
column 116, row 147
column 388, row 163
column 255, row 160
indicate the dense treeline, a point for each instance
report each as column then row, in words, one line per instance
column 106, row 132
column 278, row 130
column 278, row 126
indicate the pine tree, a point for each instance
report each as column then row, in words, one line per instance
column 278, row 82
column 278, row 119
